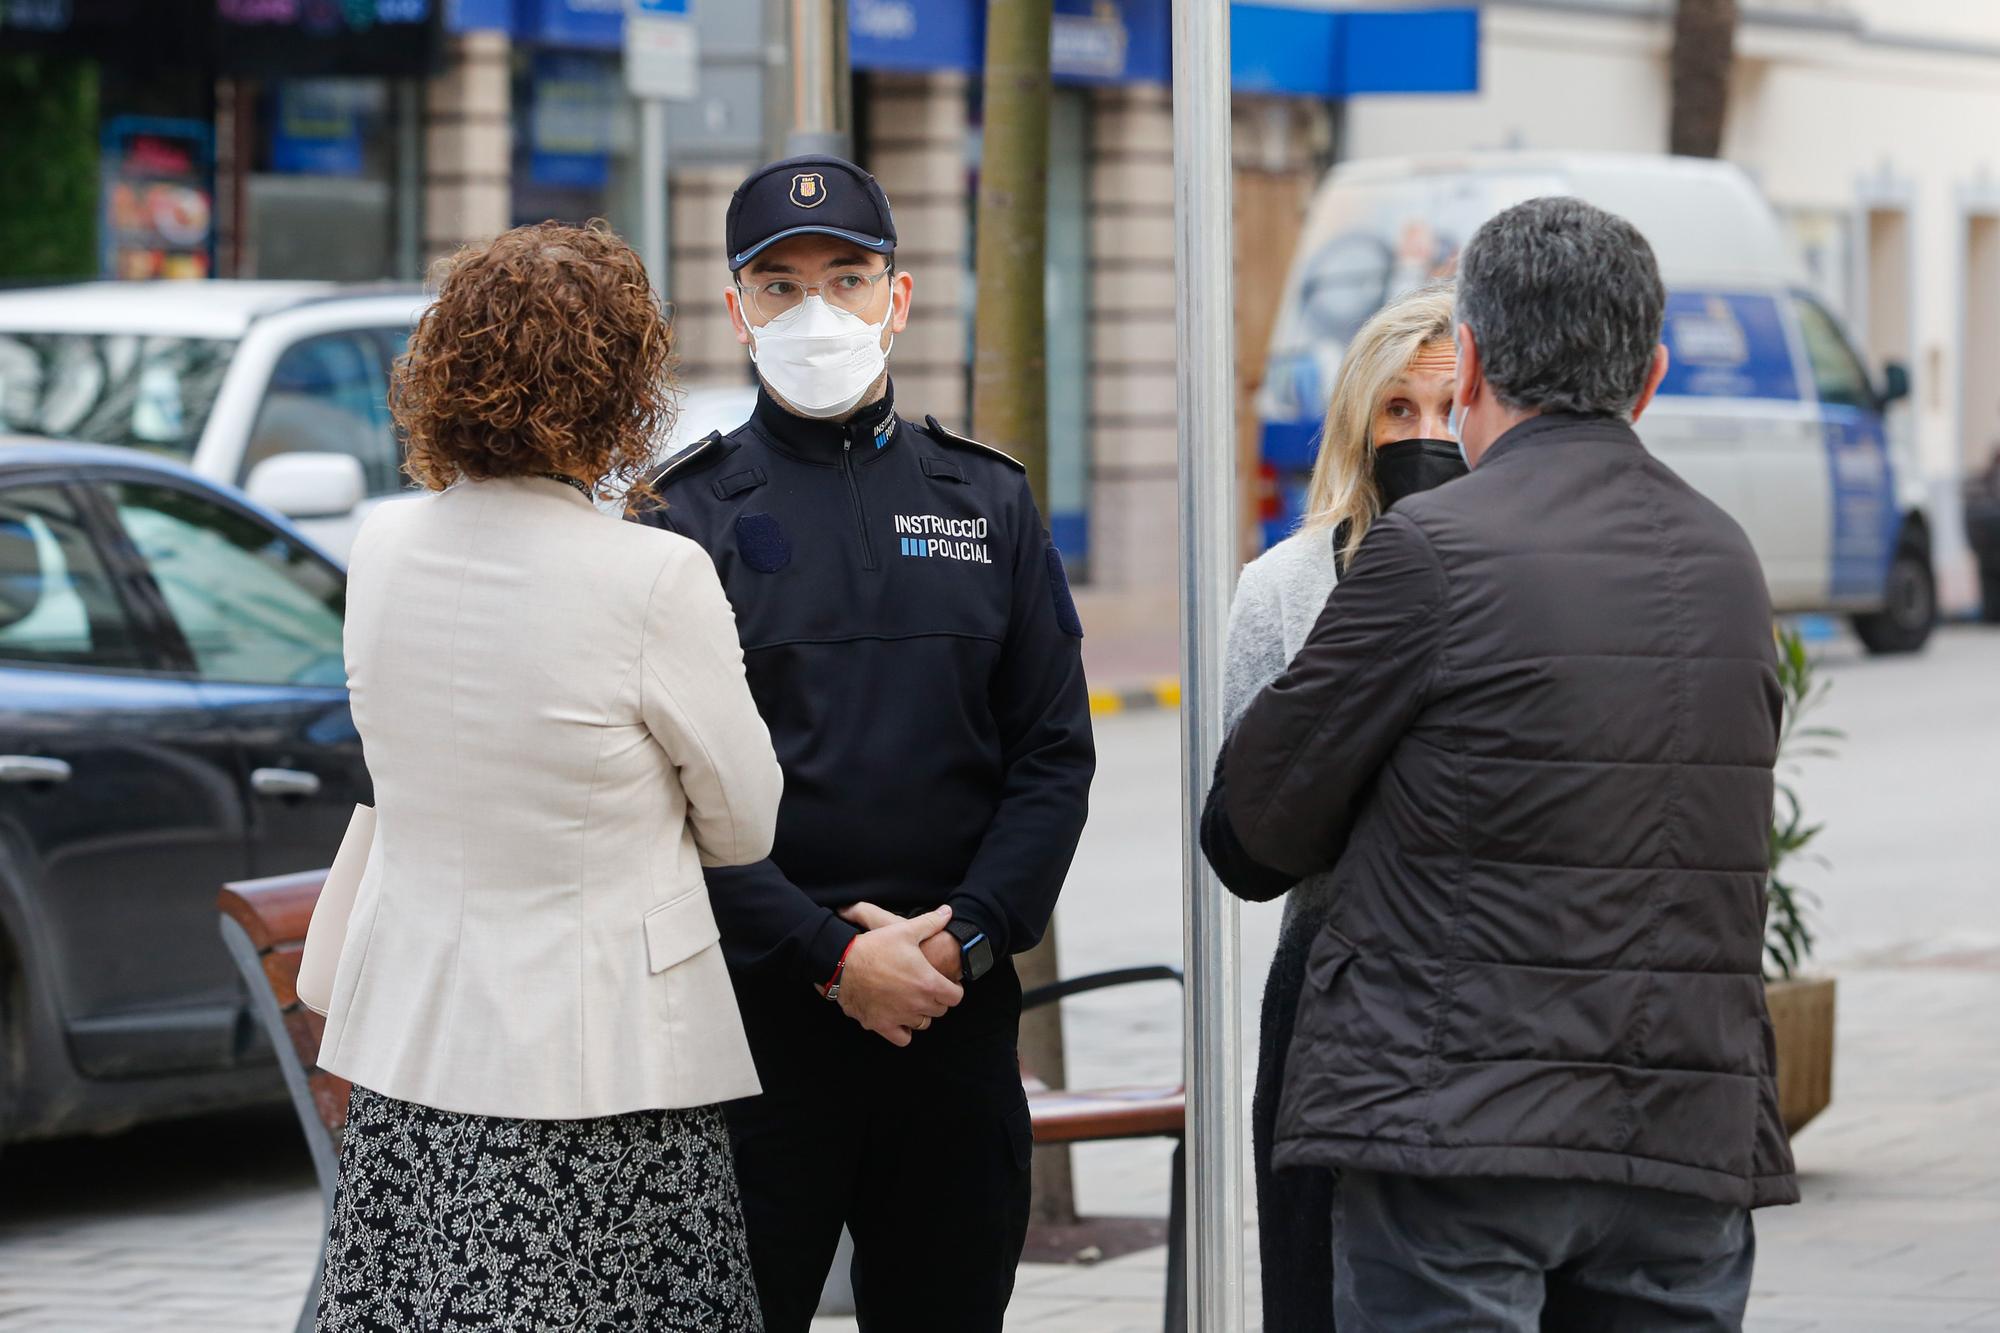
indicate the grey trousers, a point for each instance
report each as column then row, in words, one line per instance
column 1413, row 1254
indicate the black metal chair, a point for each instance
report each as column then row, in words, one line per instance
column 1063, row 1115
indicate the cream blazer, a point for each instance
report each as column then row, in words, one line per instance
column 554, row 713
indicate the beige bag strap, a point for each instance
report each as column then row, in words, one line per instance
column 328, row 930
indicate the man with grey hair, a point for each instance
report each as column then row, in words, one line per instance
column 1532, row 737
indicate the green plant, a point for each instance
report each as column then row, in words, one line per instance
column 48, row 141
column 1788, row 939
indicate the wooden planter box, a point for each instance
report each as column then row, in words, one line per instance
column 1802, row 1019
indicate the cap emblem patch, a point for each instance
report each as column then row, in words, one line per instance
column 808, row 189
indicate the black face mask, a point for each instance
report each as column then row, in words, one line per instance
column 1409, row 466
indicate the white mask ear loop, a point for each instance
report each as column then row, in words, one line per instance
column 732, row 299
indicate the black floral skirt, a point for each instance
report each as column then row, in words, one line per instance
column 448, row 1223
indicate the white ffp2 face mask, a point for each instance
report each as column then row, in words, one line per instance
column 820, row 360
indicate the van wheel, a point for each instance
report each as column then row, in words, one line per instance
column 1904, row 624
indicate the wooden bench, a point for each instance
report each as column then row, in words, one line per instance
column 264, row 926
column 1069, row 1115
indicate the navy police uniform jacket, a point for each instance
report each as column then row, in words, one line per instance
column 911, row 642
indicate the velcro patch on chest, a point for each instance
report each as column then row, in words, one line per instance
column 762, row 543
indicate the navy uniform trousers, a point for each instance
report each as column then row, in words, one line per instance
column 921, row 1151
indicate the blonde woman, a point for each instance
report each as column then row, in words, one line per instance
column 1387, row 434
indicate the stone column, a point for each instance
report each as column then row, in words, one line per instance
column 1133, row 514
column 917, row 128
column 704, row 343
column 468, row 144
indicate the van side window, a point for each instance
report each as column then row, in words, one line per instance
column 1837, row 374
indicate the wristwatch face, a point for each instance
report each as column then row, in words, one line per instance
column 977, row 957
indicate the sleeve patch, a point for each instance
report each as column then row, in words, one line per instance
column 1066, row 615
column 762, row 543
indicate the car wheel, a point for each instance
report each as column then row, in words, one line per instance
column 1904, row 624
column 1989, row 596
column 9, row 1055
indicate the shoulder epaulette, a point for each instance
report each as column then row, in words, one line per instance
column 953, row 437
column 693, row 458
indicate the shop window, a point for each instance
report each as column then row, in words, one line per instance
column 1067, row 301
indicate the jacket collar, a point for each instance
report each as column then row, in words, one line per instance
column 1560, row 425
column 533, row 484
column 866, row 434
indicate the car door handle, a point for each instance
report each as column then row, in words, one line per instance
column 284, row 782
column 32, row 768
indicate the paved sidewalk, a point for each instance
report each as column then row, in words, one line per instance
column 213, row 1226
column 1900, row 1229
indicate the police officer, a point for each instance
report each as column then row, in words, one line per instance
column 911, row 642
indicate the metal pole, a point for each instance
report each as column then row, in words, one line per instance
column 820, row 79
column 653, row 195
column 1204, row 327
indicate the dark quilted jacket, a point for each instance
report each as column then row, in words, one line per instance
column 1534, row 731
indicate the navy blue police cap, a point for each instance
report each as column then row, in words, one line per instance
column 817, row 195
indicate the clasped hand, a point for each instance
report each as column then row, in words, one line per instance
column 900, row 973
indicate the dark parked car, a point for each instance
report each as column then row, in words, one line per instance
column 1982, row 529
column 173, row 714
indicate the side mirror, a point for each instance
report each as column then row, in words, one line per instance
column 308, row 485
column 1895, row 382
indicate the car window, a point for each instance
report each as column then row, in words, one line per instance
column 1836, row 372
column 330, row 394
column 129, row 389
column 254, row 606
column 58, row 606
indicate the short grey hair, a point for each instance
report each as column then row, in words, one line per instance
column 1566, row 305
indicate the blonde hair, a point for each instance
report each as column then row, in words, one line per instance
column 1342, row 489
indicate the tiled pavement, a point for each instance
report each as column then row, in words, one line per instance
column 1900, row 1228
column 1901, row 1224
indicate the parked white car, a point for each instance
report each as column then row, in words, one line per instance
column 280, row 388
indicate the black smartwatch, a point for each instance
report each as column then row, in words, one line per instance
column 975, row 951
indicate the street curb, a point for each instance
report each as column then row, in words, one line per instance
column 1136, row 699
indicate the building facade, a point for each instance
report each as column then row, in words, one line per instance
column 1865, row 122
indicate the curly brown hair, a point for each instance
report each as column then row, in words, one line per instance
column 545, row 351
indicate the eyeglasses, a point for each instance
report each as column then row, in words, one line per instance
column 852, row 292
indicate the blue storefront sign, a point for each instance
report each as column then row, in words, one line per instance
column 1090, row 41
column 915, row 36
column 317, row 129
column 1342, row 53
column 573, row 97
column 1304, row 52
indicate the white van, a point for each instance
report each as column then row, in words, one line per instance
column 1766, row 408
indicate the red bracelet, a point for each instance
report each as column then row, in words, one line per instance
column 831, row 990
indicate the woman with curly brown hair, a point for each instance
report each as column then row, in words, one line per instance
column 530, row 1002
